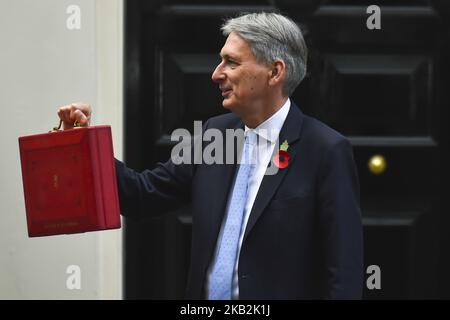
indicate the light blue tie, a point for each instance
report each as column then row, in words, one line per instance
column 221, row 278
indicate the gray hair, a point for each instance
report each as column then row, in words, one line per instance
column 272, row 36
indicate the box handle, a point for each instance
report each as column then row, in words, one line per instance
column 58, row 128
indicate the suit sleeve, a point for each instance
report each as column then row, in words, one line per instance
column 340, row 223
column 165, row 188
column 152, row 192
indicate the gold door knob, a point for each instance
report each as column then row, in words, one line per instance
column 377, row 164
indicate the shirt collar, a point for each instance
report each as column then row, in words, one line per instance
column 270, row 129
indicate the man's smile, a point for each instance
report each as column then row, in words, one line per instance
column 225, row 91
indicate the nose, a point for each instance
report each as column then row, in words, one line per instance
column 218, row 74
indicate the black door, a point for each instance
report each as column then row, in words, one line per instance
column 385, row 89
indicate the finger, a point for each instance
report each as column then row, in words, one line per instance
column 64, row 114
column 83, row 107
column 81, row 118
column 73, row 109
column 80, row 107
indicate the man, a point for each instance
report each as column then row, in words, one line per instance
column 295, row 234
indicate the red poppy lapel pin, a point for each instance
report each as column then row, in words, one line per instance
column 281, row 159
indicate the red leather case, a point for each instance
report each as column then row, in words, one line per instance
column 69, row 181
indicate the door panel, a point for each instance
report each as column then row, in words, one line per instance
column 384, row 89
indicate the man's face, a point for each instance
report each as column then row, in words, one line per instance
column 242, row 80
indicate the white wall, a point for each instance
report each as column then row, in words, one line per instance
column 43, row 65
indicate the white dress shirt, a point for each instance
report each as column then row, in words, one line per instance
column 267, row 133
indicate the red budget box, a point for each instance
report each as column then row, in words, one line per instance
column 69, row 181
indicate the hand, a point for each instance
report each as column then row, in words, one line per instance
column 75, row 113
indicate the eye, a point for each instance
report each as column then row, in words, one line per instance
column 233, row 64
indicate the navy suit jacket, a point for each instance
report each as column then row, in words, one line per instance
column 303, row 239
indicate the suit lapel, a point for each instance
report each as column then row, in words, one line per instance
column 270, row 183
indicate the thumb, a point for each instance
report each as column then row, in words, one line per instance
column 80, row 118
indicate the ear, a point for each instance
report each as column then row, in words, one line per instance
column 277, row 72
